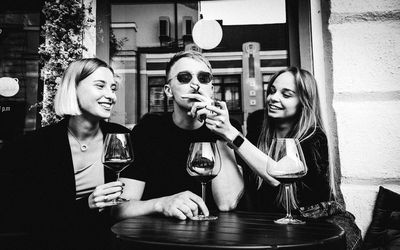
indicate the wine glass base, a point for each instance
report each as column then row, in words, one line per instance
column 287, row 220
column 203, row 217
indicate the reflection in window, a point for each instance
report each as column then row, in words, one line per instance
column 227, row 88
column 123, row 38
column 153, row 44
column 19, row 42
column 150, row 31
column 266, row 78
column 158, row 100
column 245, row 12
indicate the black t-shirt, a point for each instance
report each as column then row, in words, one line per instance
column 311, row 189
column 160, row 155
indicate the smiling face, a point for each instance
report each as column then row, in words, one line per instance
column 176, row 89
column 283, row 100
column 96, row 94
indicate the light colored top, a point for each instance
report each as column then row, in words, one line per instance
column 87, row 179
column 88, row 169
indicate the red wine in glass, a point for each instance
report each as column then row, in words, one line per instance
column 203, row 167
column 204, row 164
column 117, row 165
column 286, row 163
column 117, row 155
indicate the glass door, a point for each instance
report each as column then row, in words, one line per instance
column 19, row 60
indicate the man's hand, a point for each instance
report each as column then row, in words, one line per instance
column 201, row 101
column 182, row 205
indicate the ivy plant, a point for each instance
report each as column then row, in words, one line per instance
column 65, row 21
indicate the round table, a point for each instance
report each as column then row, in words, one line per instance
column 232, row 230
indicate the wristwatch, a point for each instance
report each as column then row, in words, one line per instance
column 237, row 142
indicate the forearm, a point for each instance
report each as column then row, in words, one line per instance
column 253, row 156
column 219, row 123
column 228, row 185
column 136, row 208
column 133, row 191
column 182, row 205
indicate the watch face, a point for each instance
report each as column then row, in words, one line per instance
column 238, row 141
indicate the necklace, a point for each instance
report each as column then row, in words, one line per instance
column 84, row 146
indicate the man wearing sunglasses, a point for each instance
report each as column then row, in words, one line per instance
column 160, row 182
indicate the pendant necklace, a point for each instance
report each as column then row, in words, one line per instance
column 84, row 146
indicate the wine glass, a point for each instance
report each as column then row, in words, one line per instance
column 117, row 155
column 204, row 164
column 286, row 164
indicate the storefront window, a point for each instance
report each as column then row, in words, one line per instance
column 227, row 89
column 266, row 78
column 255, row 41
column 19, row 59
column 158, row 100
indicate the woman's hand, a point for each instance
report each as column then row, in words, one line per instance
column 104, row 195
column 218, row 120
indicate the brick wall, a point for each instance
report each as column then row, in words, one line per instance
column 365, row 72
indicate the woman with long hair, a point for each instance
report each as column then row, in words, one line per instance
column 292, row 111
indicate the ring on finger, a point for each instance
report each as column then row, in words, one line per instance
column 105, row 198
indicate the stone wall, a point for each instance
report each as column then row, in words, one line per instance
column 364, row 44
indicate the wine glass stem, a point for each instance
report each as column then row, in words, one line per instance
column 203, row 192
column 288, row 209
column 118, row 175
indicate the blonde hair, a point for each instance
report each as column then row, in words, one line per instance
column 187, row 54
column 308, row 118
column 66, row 100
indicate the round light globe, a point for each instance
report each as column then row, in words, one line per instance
column 8, row 86
column 207, row 34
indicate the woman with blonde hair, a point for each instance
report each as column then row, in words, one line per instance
column 64, row 193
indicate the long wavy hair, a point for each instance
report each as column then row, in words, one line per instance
column 307, row 120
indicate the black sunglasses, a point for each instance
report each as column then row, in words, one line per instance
column 186, row 77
